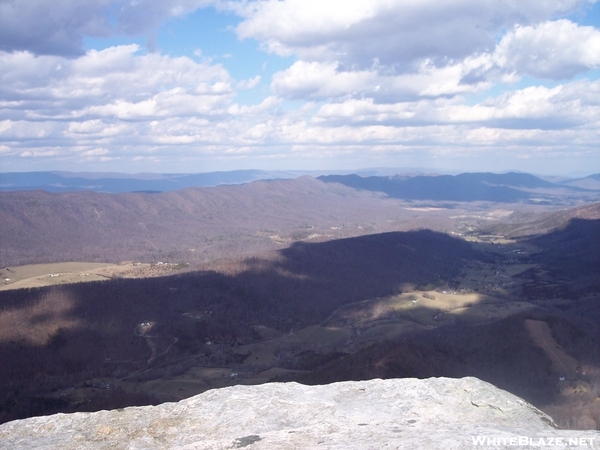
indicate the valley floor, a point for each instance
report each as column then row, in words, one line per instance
column 520, row 312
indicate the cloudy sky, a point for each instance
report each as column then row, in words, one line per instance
column 202, row 85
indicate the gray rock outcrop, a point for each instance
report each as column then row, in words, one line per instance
column 437, row 413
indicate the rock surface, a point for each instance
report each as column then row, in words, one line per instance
column 377, row 414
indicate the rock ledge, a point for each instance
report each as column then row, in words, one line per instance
column 435, row 413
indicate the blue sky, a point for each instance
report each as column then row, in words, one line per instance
column 201, row 85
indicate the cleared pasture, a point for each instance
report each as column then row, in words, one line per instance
column 39, row 275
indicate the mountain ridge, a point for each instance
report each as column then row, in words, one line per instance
column 466, row 187
column 113, row 182
column 44, row 227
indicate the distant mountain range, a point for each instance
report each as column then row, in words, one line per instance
column 119, row 182
column 111, row 182
column 590, row 182
column 411, row 184
column 467, row 187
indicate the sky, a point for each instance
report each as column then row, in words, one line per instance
column 188, row 86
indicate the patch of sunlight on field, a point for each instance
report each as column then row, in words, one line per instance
column 39, row 275
column 487, row 238
column 35, row 270
column 439, row 301
column 433, row 309
column 39, row 322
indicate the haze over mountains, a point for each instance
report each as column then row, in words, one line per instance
column 467, row 187
column 157, row 182
column 118, row 182
column 412, row 185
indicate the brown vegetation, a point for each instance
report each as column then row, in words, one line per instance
column 192, row 225
column 312, row 312
column 202, row 224
column 58, row 337
column 317, row 309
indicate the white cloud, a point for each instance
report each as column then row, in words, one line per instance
column 249, row 83
column 539, row 107
column 532, row 107
column 39, row 153
column 391, row 51
column 140, row 16
column 267, row 104
column 115, row 82
column 555, row 50
column 116, row 98
column 185, row 109
column 95, row 152
column 57, row 27
column 383, row 77
column 394, row 33
column 326, row 80
column 313, row 79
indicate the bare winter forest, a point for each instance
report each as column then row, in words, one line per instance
column 305, row 280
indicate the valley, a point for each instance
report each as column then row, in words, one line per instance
column 373, row 288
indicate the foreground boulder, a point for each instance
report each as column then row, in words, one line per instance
column 434, row 413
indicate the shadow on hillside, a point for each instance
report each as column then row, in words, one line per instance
column 572, row 255
column 59, row 338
